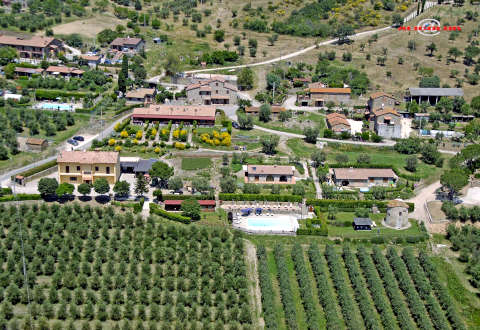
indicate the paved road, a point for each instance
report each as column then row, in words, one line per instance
column 318, row 187
column 425, row 195
column 409, row 17
column 85, row 145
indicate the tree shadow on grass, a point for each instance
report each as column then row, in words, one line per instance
column 102, row 199
column 66, row 198
column 84, row 198
column 50, row 198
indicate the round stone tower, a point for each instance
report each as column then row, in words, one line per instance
column 397, row 214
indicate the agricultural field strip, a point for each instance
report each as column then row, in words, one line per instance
column 349, row 309
column 369, row 312
column 266, row 286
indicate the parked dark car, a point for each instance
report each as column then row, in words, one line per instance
column 72, row 142
column 79, row 138
column 235, row 125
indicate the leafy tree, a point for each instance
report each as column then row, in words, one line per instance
column 264, row 113
column 101, row 186
column 251, row 188
column 245, row 78
column 3, row 152
column 342, row 158
column 191, row 208
column 123, row 76
column 201, row 184
column 7, row 55
column 175, row 183
column 65, row 189
column 318, row 157
column 298, row 189
column 430, row 154
column 84, row 189
column 161, row 171
column 219, row 35
column 245, row 121
column 141, row 185
column 121, row 188
column 397, row 20
column 311, row 134
column 411, row 163
column 431, row 47
column 472, row 130
column 269, row 143
column 343, row 32
column 284, row 116
column 454, row 52
column 454, row 180
column 228, row 185
column 47, row 186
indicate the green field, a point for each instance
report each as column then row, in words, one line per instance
column 301, row 148
column 345, row 288
column 317, row 119
column 191, row 164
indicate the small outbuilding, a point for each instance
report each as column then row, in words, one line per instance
column 362, row 224
column 34, row 144
column 397, row 214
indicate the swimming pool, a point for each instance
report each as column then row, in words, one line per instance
column 55, row 106
column 275, row 223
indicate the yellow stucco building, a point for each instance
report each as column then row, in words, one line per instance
column 87, row 166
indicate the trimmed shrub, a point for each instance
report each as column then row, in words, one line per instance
column 169, row 215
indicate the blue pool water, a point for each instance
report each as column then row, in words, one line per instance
column 269, row 222
column 54, row 106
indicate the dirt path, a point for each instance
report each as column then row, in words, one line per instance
column 253, row 277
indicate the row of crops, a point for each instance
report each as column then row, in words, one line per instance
column 352, row 289
column 97, row 268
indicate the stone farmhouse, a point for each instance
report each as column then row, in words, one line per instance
column 397, row 214
column 141, row 95
column 387, row 123
column 35, row 47
column 381, row 100
column 91, row 60
column 318, row 97
column 133, row 45
column 212, row 91
column 338, row 123
column 269, row 174
column 204, row 115
column 363, row 177
column 35, row 144
column 275, row 110
column 87, row 166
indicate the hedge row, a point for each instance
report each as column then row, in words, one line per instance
column 125, row 108
column 411, row 177
column 184, row 197
column 20, row 197
column 137, row 207
column 6, row 191
column 266, row 286
column 82, row 110
column 350, row 205
column 169, row 215
column 36, row 170
column 258, row 197
column 53, row 94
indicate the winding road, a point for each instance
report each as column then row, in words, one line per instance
column 409, row 17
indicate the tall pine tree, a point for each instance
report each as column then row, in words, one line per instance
column 123, row 76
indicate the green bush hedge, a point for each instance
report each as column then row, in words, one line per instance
column 36, row 170
column 6, row 191
column 137, row 207
column 410, row 177
column 20, row 197
column 155, row 209
column 317, row 231
column 125, row 108
column 258, row 197
column 184, row 197
column 82, row 110
column 53, row 94
column 350, row 205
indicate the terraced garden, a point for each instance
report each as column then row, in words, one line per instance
column 312, row 287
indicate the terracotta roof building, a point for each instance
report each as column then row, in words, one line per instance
column 363, row 177
column 34, row 47
column 212, row 91
column 269, row 174
column 387, row 123
column 64, row 71
column 35, row 144
column 338, row 123
column 141, row 95
column 91, row 60
column 88, row 166
column 27, row 72
column 202, row 114
column 128, row 44
column 318, row 96
column 380, row 100
column 275, row 109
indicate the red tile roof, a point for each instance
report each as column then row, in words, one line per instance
column 191, row 112
column 64, row 69
column 363, row 173
column 330, row 90
column 88, row 157
column 271, row 169
column 379, row 94
column 385, row 111
column 34, row 41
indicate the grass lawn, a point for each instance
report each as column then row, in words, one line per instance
column 301, row 121
column 191, row 164
column 301, row 148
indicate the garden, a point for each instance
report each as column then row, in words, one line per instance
column 98, row 268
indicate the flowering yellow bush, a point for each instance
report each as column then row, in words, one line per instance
column 144, row 149
column 176, row 133
column 111, row 142
column 183, row 132
column 118, row 148
column 117, row 127
column 216, row 138
column 135, row 141
column 139, row 135
column 124, row 134
column 154, row 131
column 157, row 150
column 179, row 145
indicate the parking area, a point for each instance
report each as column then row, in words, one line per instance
column 472, row 196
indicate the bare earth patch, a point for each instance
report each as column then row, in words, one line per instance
column 252, row 275
column 88, row 27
